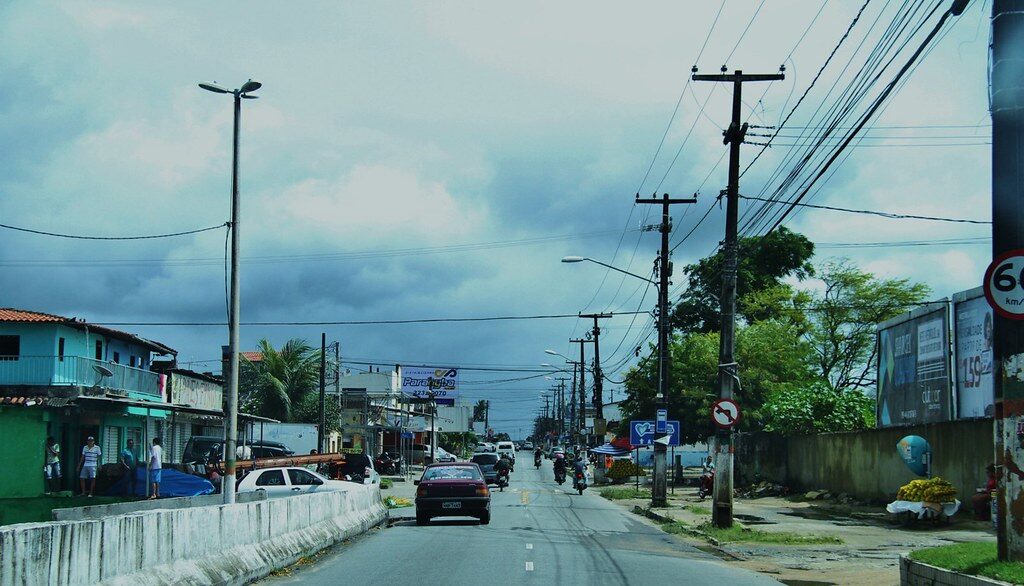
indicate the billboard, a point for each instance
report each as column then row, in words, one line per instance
column 431, row 382
column 975, row 379
column 914, row 367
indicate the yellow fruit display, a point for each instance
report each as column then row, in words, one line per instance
column 933, row 490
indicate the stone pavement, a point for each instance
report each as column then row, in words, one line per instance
column 869, row 555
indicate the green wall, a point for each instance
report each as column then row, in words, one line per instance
column 22, row 435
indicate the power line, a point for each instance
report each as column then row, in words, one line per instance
column 146, row 237
column 899, row 243
column 890, row 215
column 366, row 322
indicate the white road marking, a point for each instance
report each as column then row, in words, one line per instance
column 529, row 546
column 529, row 566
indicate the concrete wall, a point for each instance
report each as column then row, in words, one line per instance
column 865, row 464
column 225, row 544
column 103, row 511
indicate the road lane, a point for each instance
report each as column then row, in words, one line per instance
column 540, row 533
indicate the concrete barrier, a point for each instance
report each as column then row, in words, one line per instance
column 183, row 502
column 917, row 574
column 221, row 544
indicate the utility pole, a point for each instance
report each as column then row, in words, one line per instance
column 598, row 377
column 659, row 488
column 1008, row 234
column 721, row 513
column 573, row 423
column 582, row 387
column 322, row 435
column 487, row 415
column 547, row 408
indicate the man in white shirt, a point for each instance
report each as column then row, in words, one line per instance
column 89, row 464
column 52, row 469
column 155, row 469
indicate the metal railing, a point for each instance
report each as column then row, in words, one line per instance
column 75, row 371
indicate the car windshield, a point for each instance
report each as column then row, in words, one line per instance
column 451, row 473
column 485, row 459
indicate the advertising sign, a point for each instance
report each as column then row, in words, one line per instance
column 431, row 382
column 914, row 367
column 975, row 381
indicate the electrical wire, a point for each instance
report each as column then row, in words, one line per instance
column 82, row 237
column 364, row 322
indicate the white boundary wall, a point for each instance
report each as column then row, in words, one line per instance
column 219, row 544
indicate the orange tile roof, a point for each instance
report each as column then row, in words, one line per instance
column 256, row 356
column 19, row 315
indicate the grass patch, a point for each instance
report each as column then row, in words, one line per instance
column 396, row 502
column 976, row 559
column 38, row 509
column 676, row 528
column 698, row 509
column 386, row 483
column 738, row 533
column 618, row 494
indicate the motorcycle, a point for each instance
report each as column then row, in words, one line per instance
column 559, row 476
column 387, row 465
column 536, row 462
column 581, row 482
column 502, row 480
column 707, row 484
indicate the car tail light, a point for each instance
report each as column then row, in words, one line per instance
column 421, row 491
column 482, row 491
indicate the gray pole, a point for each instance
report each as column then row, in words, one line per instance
column 322, row 435
column 721, row 513
column 1008, row 234
column 228, row 484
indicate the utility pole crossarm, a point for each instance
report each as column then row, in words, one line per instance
column 738, row 76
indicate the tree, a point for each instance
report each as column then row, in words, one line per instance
column 480, row 410
column 542, row 425
column 275, row 385
column 764, row 262
column 818, row 409
column 307, row 410
column 773, row 358
column 844, row 317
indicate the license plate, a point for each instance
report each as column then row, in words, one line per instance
column 452, row 505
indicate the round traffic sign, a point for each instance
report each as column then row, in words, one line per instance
column 1004, row 284
column 725, row 413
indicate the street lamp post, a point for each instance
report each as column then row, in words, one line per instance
column 231, row 429
column 659, row 487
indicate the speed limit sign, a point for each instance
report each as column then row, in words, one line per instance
column 1004, row 284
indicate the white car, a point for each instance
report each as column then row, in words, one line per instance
column 508, row 449
column 485, row 448
column 443, row 455
column 291, row 481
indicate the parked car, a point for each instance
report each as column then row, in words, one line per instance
column 421, row 454
column 486, row 463
column 443, row 455
column 289, row 481
column 507, row 449
column 485, row 448
column 452, row 490
column 527, row 445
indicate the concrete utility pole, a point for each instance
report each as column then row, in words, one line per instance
column 659, row 489
column 322, row 431
column 721, row 512
column 598, row 377
column 1008, row 234
column 573, row 423
column 582, row 387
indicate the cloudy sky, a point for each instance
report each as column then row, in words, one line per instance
column 422, row 160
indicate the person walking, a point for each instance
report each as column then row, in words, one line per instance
column 52, row 469
column 129, row 463
column 155, row 468
column 89, row 464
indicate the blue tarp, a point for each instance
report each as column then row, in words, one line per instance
column 172, row 483
column 609, row 450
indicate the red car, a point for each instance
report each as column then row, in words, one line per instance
column 452, row 489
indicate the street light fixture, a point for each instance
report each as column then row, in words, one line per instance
column 575, row 259
column 231, row 431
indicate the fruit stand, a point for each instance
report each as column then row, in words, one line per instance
column 932, row 499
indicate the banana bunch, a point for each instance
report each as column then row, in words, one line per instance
column 933, row 490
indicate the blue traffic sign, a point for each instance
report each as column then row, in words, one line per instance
column 661, row 420
column 643, row 432
column 407, row 435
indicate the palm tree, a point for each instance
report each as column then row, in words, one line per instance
column 479, row 410
column 273, row 385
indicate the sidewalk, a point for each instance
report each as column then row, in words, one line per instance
column 401, row 488
column 871, row 542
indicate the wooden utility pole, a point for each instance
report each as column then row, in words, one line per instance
column 659, row 488
column 721, row 512
column 322, row 435
column 598, row 377
column 583, row 386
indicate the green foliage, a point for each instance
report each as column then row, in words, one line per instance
column 618, row 494
column 818, row 409
column 278, row 385
column 386, row 483
column 479, row 410
column 457, row 443
column 975, row 558
column 542, row 425
column 738, row 533
column 307, row 410
column 764, row 262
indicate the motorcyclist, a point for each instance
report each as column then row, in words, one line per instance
column 559, row 465
column 537, row 457
column 503, row 466
column 578, row 467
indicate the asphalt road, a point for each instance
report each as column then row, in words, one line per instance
column 539, row 533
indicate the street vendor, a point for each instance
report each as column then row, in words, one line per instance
column 982, row 499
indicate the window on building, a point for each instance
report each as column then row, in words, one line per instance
column 10, row 347
column 99, row 349
column 117, row 357
column 131, row 361
column 111, row 444
column 60, row 349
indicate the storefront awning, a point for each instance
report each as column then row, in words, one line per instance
column 118, row 402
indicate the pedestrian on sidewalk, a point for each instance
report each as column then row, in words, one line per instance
column 52, row 469
column 129, row 464
column 89, row 464
column 155, row 469
column 981, row 501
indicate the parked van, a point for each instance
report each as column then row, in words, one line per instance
column 508, row 449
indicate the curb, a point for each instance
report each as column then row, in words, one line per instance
column 692, row 532
column 913, row 573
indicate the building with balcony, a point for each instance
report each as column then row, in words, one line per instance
column 70, row 379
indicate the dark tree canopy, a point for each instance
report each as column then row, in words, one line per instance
column 764, row 262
